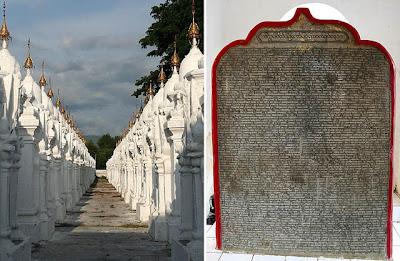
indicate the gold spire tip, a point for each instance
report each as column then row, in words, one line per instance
column 42, row 81
column 62, row 107
column 58, row 102
column 137, row 113
column 28, row 62
column 151, row 92
column 194, row 28
column 161, row 75
column 50, row 93
column 4, row 33
column 175, row 58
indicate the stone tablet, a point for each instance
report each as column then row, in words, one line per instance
column 302, row 133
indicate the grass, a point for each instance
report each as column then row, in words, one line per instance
column 133, row 225
column 66, row 225
column 103, row 216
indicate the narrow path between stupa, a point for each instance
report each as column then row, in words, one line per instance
column 101, row 227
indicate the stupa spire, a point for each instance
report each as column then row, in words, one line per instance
column 133, row 118
column 4, row 33
column 58, row 102
column 42, row 81
column 62, row 107
column 193, row 32
column 28, row 62
column 50, row 93
column 137, row 113
column 69, row 118
column 66, row 113
column 175, row 58
column 161, row 75
column 151, row 92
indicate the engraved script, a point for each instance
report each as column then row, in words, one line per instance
column 304, row 143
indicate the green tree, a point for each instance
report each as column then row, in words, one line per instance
column 173, row 18
column 102, row 159
column 106, row 141
column 92, row 148
column 106, row 146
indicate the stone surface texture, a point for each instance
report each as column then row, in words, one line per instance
column 213, row 254
column 304, row 118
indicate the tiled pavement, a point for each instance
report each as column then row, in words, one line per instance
column 213, row 254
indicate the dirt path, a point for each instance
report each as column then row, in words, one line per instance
column 101, row 227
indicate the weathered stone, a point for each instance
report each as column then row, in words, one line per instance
column 304, row 131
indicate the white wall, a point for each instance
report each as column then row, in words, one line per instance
column 228, row 20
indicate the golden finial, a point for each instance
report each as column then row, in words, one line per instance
column 194, row 28
column 66, row 113
column 58, row 102
column 62, row 107
column 150, row 92
column 161, row 75
column 42, row 81
column 28, row 62
column 137, row 113
column 4, row 33
column 69, row 118
column 141, row 108
column 175, row 58
column 50, row 93
column 146, row 100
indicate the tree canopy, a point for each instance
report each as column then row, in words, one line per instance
column 173, row 18
column 92, row 148
column 106, row 141
column 103, row 151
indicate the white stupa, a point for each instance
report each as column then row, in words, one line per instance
column 174, row 79
column 158, row 98
column 29, row 84
column 191, row 60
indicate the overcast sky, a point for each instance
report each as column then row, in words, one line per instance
column 91, row 53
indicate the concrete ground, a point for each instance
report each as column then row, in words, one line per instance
column 101, row 227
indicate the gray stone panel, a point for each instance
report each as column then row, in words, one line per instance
column 304, row 143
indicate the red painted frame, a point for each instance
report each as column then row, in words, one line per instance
column 356, row 36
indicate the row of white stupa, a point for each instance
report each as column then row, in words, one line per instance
column 157, row 165
column 45, row 166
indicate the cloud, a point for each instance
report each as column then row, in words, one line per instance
column 92, row 55
column 59, row 67
column 99, row 42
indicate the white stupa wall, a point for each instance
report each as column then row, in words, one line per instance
column 36, row 161
column 158, row 164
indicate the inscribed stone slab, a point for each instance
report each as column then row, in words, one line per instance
column 304, row 136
